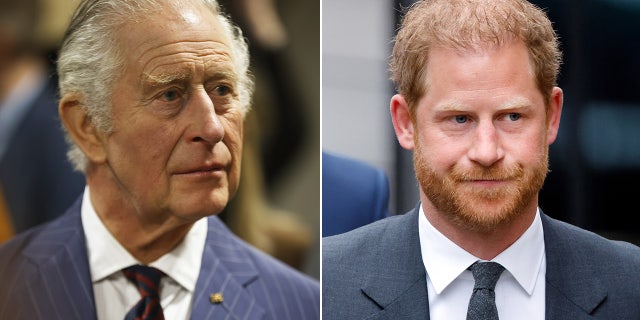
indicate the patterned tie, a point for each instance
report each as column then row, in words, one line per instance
column 147, row 279
column 482, row 305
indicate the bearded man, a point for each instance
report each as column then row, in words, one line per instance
column 478, row 104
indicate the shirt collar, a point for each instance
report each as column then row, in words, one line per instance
column 107, row 256
column 445, row 261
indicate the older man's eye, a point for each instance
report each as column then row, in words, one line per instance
column 170, row 95
column 222, row 90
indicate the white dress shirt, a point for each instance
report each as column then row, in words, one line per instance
column 114, row 294
column 520, row 291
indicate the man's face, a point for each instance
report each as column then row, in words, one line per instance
column 481, row 135
column 177, row 125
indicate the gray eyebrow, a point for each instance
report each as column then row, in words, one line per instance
column 164, row 78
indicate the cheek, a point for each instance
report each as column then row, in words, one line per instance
column 148, row 150
column 440, row 151
column 235, row 148
column 158, row 141
column 234, row 140
column 233, row 131
column 528, row 146
column 143, row 134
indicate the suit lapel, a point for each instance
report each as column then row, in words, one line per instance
column 225, row 270
column 573, row 290
column 61, row 251
column 62, row 284
column 399, row 286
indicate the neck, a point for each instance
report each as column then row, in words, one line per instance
column 485, row 245
column 147, row 236
column 145, row 243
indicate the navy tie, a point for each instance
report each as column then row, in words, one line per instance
column 482, row 305
column 147, row 279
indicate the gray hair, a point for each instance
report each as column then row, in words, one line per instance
column 90, row 59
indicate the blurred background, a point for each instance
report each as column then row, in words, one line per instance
column 595, row 162
column 278, row 204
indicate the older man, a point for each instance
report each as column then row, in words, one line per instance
column 153, row 97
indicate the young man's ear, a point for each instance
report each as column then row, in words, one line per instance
column 86, row 136
column 402, row 123
column 554, row 114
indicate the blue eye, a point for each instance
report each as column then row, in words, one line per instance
column 222, row 90
column 170, row 95
column 461, row 119
column 514, row 116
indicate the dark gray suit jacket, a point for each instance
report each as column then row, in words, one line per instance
column 376, row 272
column 44, row 274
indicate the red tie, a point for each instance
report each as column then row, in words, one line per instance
column 147, row 279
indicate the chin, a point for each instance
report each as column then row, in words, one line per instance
column 191, row 216
column 194, row 207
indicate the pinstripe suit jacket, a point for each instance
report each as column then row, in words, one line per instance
column 376, row 272
column 44, row 274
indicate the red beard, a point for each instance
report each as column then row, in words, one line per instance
column 477, row 208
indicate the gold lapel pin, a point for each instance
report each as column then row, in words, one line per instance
column 216, row 298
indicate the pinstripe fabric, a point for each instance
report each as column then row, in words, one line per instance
column 46, row 272
column 45, row 275
column 255, row 286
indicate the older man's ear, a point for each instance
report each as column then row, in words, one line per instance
column 86, row 136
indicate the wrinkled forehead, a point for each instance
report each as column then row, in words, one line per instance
column 190, row 25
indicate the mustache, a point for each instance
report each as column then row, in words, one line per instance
column 493, row 173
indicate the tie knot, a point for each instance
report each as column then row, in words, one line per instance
column 146, row 278
column 486, row 274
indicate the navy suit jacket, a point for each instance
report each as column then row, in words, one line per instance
column 376, row 272
column 353, row 194
column 44, row 274
column 39, row 183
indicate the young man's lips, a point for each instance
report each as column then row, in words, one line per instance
column 488, row 182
